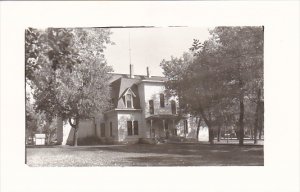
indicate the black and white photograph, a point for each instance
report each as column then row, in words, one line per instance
column 144, row 96
column 149, row 96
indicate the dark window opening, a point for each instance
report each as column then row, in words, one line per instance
column 162, row 100
column 175, row 132
column 185, row 126
column 135, row 128
column 173, row 107
column 151, row 107
column 110, row 127
column 129, row 127
column 166, row 125
column 102, row 129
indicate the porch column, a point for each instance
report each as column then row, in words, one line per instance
column 151, row 121
column 174, row 128
column 164, row 126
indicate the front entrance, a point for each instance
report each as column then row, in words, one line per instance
column 162, row 127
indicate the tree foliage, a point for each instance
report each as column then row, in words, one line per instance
column 222, row 73
column 70, row 75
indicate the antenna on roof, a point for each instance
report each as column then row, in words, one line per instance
column 129, row 48
column 130, row 65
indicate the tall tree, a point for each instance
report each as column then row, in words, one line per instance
column 83, row 93
column 72, row 80
column 223, row 72
column 241, row 50
column 184, row 82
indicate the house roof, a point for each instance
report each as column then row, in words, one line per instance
column 120, row 83
column 119, row 87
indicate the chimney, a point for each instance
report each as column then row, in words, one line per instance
column 131, row 71
column 148, row 72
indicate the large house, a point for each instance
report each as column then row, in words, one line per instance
column 140, row 110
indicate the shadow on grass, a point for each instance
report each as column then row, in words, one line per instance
column 181, row 149
column 151, row 155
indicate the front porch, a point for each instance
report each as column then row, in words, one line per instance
column 163, row 125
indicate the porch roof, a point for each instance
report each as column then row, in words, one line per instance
column 164, row 116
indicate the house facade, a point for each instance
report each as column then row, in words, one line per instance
column 140, row 111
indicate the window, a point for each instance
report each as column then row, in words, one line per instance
column 166, row 125
column 175, row 132
column 162, row 100
column 129, row 128
column 173, row 107
column 102, row 129
column 151, row 107
column 185, row 126
column 135, row 128
column 132, row 130
column 128, row 99
column 110, row 127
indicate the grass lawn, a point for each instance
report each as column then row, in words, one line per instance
column 182, row 154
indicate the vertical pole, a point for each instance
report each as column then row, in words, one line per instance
column 164, row 126
column 151, row 122
column 226, row 133
column 174, row 127
column 132, row 127
column 129, row 49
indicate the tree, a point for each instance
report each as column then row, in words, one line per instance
column 242, row 51
column 32, row 50
column 224, row 71
column 83, row 92
column 31, row 124
column 184, row 82
column 72, row 80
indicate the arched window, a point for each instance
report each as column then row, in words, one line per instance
column 173, row 107
column 128, row 99
column 162, row 100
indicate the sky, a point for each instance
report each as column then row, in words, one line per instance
column 149, row 46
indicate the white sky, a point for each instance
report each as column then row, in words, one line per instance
column 149, row 46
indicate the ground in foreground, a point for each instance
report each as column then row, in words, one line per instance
column 147, row 155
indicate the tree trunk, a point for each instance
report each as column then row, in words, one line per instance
column 75, row 127
column 260, row 133
column 257, row 116
column 211, row 131
column 207, row 122
column 219, row 133
column 255, row 132
column 211, row 135
column 76, row 132
column 251, row 133
column 198, row 128
column 241, row 121
column 48, row 138
column 75, row 137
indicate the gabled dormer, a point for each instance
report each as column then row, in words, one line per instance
column 125, row 94
column 127, row 97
